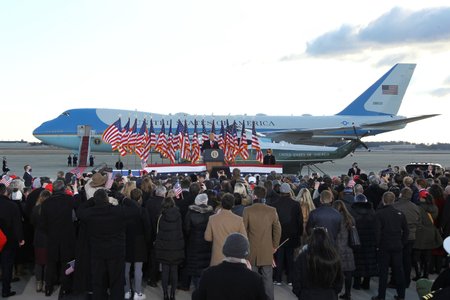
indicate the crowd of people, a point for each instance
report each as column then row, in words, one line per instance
column 226, row 238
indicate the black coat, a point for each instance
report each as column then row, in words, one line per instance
column 304, row 289
column 10, row 222
column 105, row 226
column 325, row 216
column 291, row 220
column 374, row 193
column 230, row 281
column 366, row 254
column 392, row 230
column 207, row 145
column 169, row 243
column 40, row 237
column 153, row 207
column 445, row 223
column 28, row 179
column 184, row 202
column 57, row 223
column 138, row 236
column 198, row 251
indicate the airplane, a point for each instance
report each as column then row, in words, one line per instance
column 373, row 112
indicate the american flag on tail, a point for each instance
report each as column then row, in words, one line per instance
column 243, row 147
column 111, row 135
column 170, row 150
column 125, row 135
column 185, row 144
column 256, row 145
column 195, row 145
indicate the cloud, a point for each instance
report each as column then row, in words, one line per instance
column 397, row 27
column 447, row 80
column 391, row 60
column 441, row 92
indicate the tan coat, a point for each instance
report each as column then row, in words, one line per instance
column 264, row 233
column 220, row 226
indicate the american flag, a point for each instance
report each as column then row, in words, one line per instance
column 213, row 129
column 6, row 180
column 229, row 145
column 152, row 136
column 111, row 135
column 221, row 139
column 78, row 171
column 389, row 89
column 195, row 145
column 256, row 145
column 185, row 144
column 178, row 136
column 125, row 135
column 133, row 135
column 204, row 133
column 170, row 150
column 161, row 145
column 177, row 190
column 243, row 147
column 235, row 141
column 142, row 140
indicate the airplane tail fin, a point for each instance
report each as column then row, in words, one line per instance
column 385, row 95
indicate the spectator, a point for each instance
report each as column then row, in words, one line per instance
column 232, row 278
column 220, row 226
column 264, row 233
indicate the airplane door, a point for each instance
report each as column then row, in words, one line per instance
column 83, row 130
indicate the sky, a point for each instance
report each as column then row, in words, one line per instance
column 222, row 57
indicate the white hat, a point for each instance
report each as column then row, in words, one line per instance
column 201, row 199
column 252, row 179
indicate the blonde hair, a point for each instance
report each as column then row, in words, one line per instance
column 127, row 188
column 240, row 189
column 305, row 199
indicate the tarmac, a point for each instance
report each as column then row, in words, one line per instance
column 25, row 289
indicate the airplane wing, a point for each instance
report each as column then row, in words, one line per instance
column 398, row 122
column 302, row 136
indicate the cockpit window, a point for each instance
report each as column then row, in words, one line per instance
column 65, row 114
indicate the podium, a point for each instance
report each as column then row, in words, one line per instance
column 213, row 158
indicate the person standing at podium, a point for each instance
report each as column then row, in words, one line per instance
column 211, row 143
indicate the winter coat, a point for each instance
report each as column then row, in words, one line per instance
column 40, row 237
column 392, row 230
column 198, row 251
column 366, row 254
column 426, row 235
column 291, row 220
column 325, row 216
column 10, row 223
column 138, row 235
column 57, row 223
column 169, row 243
column 264, row 232
column 345, row 252
column 412, row 214
column 230, row 281
column 219, row 227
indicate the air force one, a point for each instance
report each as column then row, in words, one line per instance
column 373, row 112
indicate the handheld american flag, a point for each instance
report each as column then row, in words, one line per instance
column 178, row 190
